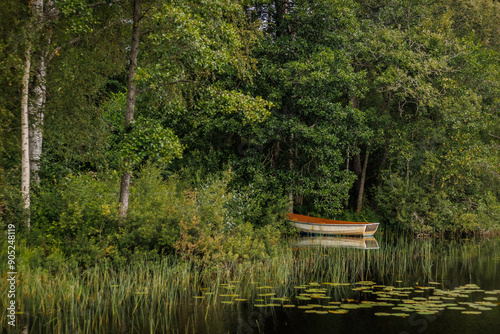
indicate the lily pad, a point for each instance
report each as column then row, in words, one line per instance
column 482, row 308
column 302, row 298
column 366, row 283
column 382, row 314
column 427, row 312
column 314, row 305
column 350, row 306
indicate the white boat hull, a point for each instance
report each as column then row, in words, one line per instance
column 309, row 224
column 337, row 229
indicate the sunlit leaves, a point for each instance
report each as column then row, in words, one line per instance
column 149, row 141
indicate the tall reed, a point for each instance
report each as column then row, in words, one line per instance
column 157, row 297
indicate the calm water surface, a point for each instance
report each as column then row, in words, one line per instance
column 459, row 274
column 430, row 282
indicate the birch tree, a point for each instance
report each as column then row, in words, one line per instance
column 25, row 156
column 60, row 25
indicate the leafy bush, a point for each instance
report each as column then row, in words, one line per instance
column 76, row 219
column 421, row 209
column 200, row 224
column 76, row 216
column 255, row 204
column 11, row 201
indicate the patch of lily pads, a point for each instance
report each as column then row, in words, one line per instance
column 316, row 298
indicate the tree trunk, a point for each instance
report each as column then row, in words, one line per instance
column 384, row 155
column 276, row 153
column 357, row 165
column 131, row 96
column 290, row 164
column 362, row 182
column 36, row 115
column 124, row 192
column 282, row 8
column 36, row 103
column 25, row 151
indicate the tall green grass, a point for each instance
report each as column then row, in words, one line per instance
column 157, row 297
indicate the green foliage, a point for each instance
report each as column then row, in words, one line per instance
column 80, row 14
column 200, row 224
column 76, row 219
column 254, row 204
column 403, row 204
column 305, row 70
column 287, row 98
column 11, row 202
column 77, row 215
column 408, row 205
column 149, row 141
column 480, row 18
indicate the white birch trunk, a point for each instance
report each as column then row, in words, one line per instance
column 37, row 101
column 36, row 115
column 25, row 150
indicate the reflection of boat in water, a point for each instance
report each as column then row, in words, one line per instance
column 323, row 226
column 339, row 242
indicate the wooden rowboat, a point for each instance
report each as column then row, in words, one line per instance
column 323, row 226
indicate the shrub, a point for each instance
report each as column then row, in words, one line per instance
column 200, row 224
column 76, row 215
column 423, row 209
column 11, row 201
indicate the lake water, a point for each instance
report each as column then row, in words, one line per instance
column 444, row 287
column 384, row 285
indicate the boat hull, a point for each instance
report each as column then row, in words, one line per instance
column 315, row 225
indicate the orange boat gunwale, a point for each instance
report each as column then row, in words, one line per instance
column 314, row 220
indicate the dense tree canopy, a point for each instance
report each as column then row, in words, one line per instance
column 329, row 107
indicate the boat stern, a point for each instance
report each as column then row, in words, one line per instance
column 371, row 229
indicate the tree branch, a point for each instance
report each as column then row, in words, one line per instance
column 497, row 137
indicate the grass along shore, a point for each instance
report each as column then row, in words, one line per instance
column 149, row 296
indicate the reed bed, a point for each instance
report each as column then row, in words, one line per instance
column 175, row 296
